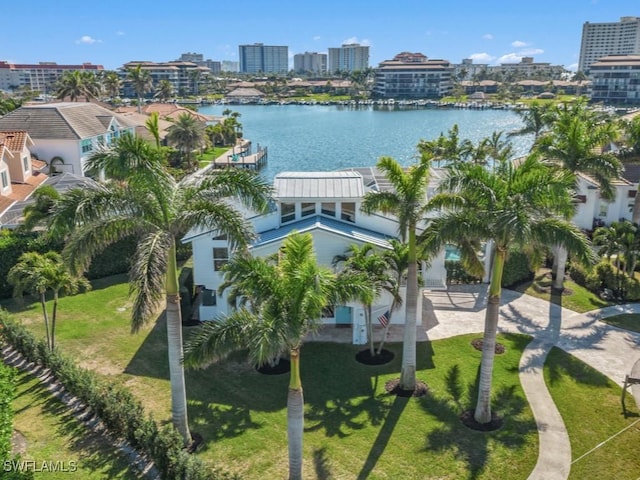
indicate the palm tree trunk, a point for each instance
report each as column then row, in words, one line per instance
column 408, row 372
column 483, row 407
column 54, row 315
column 174, row 347
column 295, row 417
column 560, row 262
column 368, row 319
column 45, row 315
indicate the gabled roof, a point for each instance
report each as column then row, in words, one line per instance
column 15, row 140
column 320, row 185
column 335, row 227
column 62, row 121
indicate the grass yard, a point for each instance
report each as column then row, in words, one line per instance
column 628, row 321
column 53, row 435
column 354, row 430
column 578, row 299
column 590, row 406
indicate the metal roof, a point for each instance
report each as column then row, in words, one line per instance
column 319, row 185
column 326, row 224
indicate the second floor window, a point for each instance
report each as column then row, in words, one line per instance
column 86, row 145
column 220, row 258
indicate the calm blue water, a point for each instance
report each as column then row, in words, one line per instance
column 324, row 138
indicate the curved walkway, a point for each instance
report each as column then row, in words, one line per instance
column 610, row 350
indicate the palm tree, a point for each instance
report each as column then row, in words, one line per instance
column 620, row 240
column 130, row 153
column 536, row 118
column 575, row 142
column 514, row 205
column 150, row 205
column 141, row 81
column 112, row 84
column 372, row 266
column 36, row 214
column 71, row 85
column 164, row 90
column 408, row 202
column 397, row 260
column 286, row 294
column 39, row 273
column 447, row 148
column 187, row 133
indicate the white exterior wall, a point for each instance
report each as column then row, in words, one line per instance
column 5, row 168
column 16, row 166
column 68, row 150
column 595, row 208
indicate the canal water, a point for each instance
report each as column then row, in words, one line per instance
column 330, row 137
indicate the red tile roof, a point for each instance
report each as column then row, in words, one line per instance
column 14, row 140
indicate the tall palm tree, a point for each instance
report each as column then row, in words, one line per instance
column 514, row 205
column 536, row 118
column 39, row 273
column 71, row 85
column 150, row 205
column 141, row 81
column 164, row 90
column 112, row 84
column 187, row 133
column 373, row 268
column 446, row 148
column 575, row 142
column 397, row 260
column 408, row 202
column 286, row 294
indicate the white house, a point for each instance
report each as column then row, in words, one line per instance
column 593, row 211
column 66, row 134
column 327, row 205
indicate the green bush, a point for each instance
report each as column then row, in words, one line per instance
column 121, row 413
column 456, row 273
column 516, row 269
column 7, row 394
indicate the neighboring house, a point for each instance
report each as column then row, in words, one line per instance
column 19, row 173
column 327, row 205
column 66, row 134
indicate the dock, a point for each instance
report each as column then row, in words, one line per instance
column 242, row 156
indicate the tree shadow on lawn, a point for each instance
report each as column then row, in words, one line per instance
column 474, row 447
column 93, row 451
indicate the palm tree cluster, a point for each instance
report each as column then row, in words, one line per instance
column 227, row 131
column 78, row 84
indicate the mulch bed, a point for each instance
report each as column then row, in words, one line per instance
column 468, row 421
column 364, row 356
column 393, row 387
column 478, row 342
column 283, row 366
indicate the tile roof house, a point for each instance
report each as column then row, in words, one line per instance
column 66, row 134
column 19, row 173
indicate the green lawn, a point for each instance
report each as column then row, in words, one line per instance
column 628, row 321
column 590, row 406
column 353, row 428
column 53, row 435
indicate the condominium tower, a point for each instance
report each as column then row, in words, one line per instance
column 310, row 62
column 349, row 57
column 260, row 58
column 603, row 39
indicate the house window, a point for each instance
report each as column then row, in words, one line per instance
column 25, row 163
column 349, row 212
column 632, row 193
column 307, row 209
column 287, row 212
column 581, row 199
column 86, row 145
column 220, row 258
column 208, row 297
column 101, row 142
column 604, row 209
column 5, row 179
column 328, row 209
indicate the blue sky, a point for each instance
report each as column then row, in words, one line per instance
column 115, row 32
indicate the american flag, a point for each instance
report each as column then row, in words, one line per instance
column 384, row 319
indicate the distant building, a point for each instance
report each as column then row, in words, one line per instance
column 527, row 68
column 230, row 66
column 349, row 57
column 604, row 39
column 311, row 62
column 185, row 77
column 38, row 77
column 413, row 75
column 467, row 70
column 615, row 79
column 198, row 59
column 260, row 58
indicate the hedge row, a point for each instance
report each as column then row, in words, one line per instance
column 116, row 407
column 516, row 270
column 7, row 394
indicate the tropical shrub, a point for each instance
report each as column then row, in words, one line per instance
column 516, row 269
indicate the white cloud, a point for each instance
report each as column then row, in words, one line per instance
column 529, row 52
column 120, row 33
column 482, row 57
column 87, row 40
column 317, row 37
column 510, row 58
column 519, row 44
column 573, row 67
column 364, row 42
column 487, row 36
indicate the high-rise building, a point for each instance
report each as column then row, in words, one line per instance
column 40, row 77
column 413, row 75
column 310, row 62
column 260, row 58
column 603, row 39
column 198, row 59
column 349, row 57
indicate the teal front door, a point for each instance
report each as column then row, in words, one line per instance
column 343, row 315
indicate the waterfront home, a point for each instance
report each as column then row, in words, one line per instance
column 66, row 134
column 327, row 205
